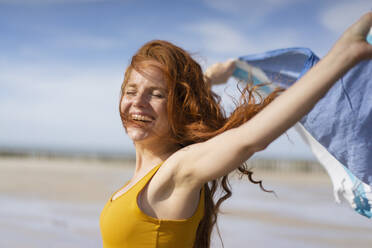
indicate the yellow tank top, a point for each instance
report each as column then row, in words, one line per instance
column 123, row 224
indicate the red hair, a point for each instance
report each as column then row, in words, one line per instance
column 195, row 115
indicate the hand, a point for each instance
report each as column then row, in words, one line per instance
column 219, row 73
column 354, row 41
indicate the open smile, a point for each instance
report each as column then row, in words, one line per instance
column 141, row 118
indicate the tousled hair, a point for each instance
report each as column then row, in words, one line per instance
column 195, row 115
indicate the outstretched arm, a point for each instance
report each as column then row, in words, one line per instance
column 218, row 156
column 219, row 73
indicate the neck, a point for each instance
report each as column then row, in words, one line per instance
column 149, row 154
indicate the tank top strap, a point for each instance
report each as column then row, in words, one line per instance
column 138, row 185
column 145, row 179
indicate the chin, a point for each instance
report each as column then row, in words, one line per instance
column 137, row 135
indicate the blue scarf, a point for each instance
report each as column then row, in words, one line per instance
column 339, row 127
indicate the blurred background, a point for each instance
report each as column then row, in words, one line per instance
column 64, row 151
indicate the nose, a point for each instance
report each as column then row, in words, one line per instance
column 140, row 100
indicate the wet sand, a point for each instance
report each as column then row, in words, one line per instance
column 57, row 202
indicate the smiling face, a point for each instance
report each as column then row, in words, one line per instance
column 144, row 104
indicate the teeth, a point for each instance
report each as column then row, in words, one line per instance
column 141, row 118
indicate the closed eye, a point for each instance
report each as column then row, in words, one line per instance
column 158, row 95
column 131, row 93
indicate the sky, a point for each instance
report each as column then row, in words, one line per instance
column 62, row 62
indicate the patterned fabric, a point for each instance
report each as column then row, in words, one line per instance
column 337, row 129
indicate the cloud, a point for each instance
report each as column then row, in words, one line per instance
column 57, row 105
column 52, row 42
column 250, row 9
column 221, row 39
column 86, row 41
column 31, row 2
column 218, row 37
column 244, row 6
column 337, row 17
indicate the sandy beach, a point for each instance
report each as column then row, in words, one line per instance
column 56, row 203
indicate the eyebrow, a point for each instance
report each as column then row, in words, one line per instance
column 132, row 85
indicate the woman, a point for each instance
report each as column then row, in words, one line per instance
column 186, row 146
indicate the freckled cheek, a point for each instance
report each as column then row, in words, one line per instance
column 124, row 105
column 164, row 116
column 161, row 109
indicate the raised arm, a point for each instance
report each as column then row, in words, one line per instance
column 220, row 155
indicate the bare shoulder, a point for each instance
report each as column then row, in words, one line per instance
column 165, row 190
column 173, row 174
